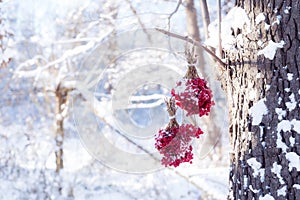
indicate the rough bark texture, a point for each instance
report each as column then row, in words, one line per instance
column 251, row 78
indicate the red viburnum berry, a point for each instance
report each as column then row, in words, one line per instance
column 165, row 136
column 192, row 94
column 174, row 143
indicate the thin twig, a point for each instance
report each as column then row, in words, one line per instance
column 139, row 19
column 196, row 43
column 179, row 2
column 172, row 13
column 128, row 139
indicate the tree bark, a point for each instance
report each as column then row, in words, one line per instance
column 61, row 95
column 260, row 163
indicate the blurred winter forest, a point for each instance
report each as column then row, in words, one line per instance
column 64, row 66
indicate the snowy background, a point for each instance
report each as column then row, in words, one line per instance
column 75, row 43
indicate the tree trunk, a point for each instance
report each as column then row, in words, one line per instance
column 263, row 97
column 205, row 17
column 61, row 99
column 4, row 36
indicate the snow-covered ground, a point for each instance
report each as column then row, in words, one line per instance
column 27, row 172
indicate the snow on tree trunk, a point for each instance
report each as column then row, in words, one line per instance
column 262, row 83
column 61, row 99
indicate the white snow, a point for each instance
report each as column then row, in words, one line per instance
column 267, row 26
column 290, row 76
column 276, row 169
column 296, row 125
column 278, row 19
column 6, row 55
column 262, row 174
column 292, row 104
column 281, row 113
column 216, row 189
column 261, row 131
column 287, row 9
column 104, row 110
column 29, row 173
column 253, row 190
column 252, row 95
column 281, row 191
column 270, row 50
column 257, row 111
column 294, row 160
column 292, row 141
column 259, row 43
column 255, row 165
column 279, row 100
column 235, row 19
column 286, row 125
column 258, row 75
column 297, row 186
column 266, row 197
column 259, row 18
column 245, row 182
column 280, row 144
column 59, row 117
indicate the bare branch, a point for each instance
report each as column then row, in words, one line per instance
column 139, row 19
column 196, row 43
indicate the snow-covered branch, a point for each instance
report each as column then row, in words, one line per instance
column 67, row 54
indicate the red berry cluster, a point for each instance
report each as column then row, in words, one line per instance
column 193, row 96
column 174, row 143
